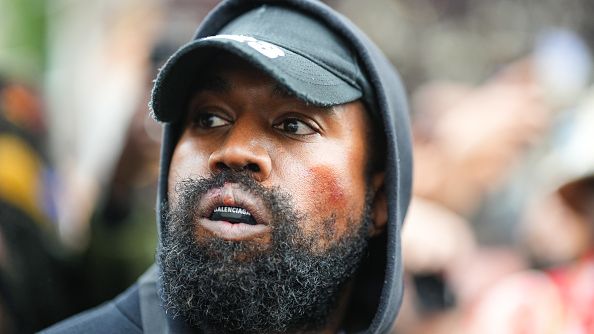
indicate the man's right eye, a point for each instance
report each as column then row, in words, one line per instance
column 208, row 121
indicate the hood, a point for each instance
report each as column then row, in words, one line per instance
column 378, row 290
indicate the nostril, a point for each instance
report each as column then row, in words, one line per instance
column 252, row 167
column 222, row 166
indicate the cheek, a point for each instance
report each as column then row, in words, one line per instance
column 329, row 193
column 188, row 160
column 327, row 186
column 326, row 182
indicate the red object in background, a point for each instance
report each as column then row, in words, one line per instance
column 576, row 286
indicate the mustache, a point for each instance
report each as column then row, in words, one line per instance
column 218, row 180
column 190, row 191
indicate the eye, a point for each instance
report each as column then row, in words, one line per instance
column 206, row 120
column 295, row 127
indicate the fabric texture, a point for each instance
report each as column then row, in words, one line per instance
column 122, row 315
column 378, row 290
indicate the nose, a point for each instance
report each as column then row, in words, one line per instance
column 242, row 150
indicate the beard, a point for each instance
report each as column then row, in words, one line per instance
column 226, row 286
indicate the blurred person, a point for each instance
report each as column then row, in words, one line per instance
column 467, row 140
column 557, row 231
column 559, row 298
column 434, row 242
column 440, row 250
column 32, row 274
column 285, row 178
column 107, row 78
column 122, row 240
column 556, row 226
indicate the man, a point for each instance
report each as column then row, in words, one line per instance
column 281, row 199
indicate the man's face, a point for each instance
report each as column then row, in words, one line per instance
column 270, row 205
column 240, row 119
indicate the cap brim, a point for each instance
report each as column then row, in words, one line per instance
column 301, row 76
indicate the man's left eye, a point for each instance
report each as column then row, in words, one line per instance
column 295, row 127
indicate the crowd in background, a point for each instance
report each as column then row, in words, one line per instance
column 499, row 236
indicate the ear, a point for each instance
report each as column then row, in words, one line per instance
column 379, row 206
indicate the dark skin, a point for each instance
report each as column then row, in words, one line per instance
column 241, row 119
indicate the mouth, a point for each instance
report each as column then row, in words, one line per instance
column 230, row 213
column 233, row 215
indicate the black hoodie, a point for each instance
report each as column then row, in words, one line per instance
column 378, row 289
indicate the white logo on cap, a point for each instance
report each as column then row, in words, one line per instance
column 268, row 49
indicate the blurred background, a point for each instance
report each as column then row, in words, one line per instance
column 500, row 233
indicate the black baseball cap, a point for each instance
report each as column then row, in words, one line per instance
column 302, row 54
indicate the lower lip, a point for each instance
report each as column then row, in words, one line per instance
column 233, row 232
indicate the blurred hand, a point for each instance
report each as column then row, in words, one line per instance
column 433, row 238
column 477, row 135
